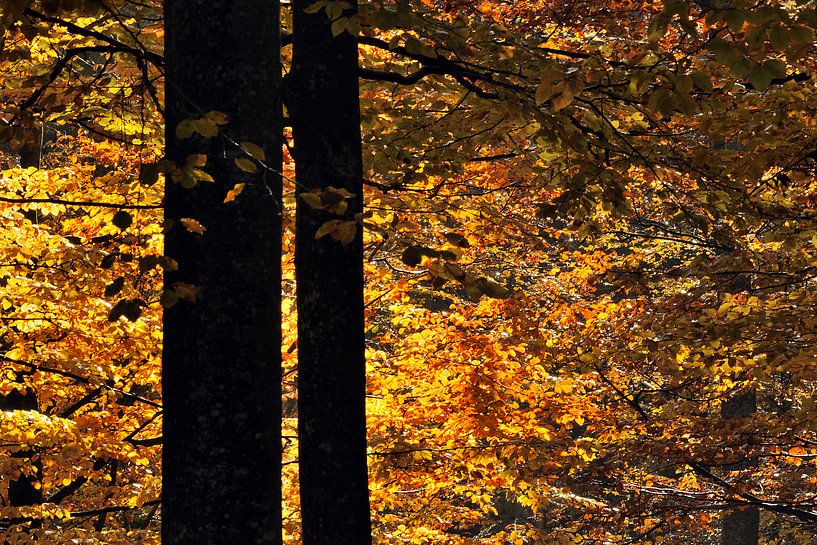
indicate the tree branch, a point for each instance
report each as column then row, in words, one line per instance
column 89, row 204
column 750, row 499
column 154, row 58
column 441, row 65
column 83, row 380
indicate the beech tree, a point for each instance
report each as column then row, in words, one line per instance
column 221, row 358
column 587, row 227
column 24, row 490
column 323, row 101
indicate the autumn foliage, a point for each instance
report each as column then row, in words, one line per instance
column 590, row 236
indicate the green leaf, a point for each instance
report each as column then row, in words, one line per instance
column 735, row 19
column 723, row 50
column 779, row 37
column 801, row 35
column 245, row 164
column 346, row 232
column 353, row 26
column 755, row 36
column 702, row 81
column 184, row 129
column 413, row 45
column 760, row 78
column 339, row 26
column 185, row 180
column 776, row 68
column 336, row 200
column 253, row 150
column 741, row 67
column 334, row 9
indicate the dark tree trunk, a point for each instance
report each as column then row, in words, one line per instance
column 222, row 353
column 323, row 100
column 23, row 491
column 740, row 526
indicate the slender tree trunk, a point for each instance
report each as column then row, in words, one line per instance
column 325, row 110
column 740, row 526
column 222, row 355
column 24, row 490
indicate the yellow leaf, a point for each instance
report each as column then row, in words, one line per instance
column 313, row 200
column 326, row 229
column 346, row 232
column 219, row 118
column 193, row 226
column 563, row 97
column 543, row 92
column 196, row 160
column 234, row 192
column 201, row 176
column 205, row 127
column 563, row 387
column 545, row 88
column 188, row 292
column 253, row 151
column 341, row 231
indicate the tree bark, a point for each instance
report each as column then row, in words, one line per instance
column 222, row 352
column 24, row 490
column 740, row 526
column 323, row 100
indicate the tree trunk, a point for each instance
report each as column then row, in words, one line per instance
column 740, row 526
column 323, row 100
column 222, row 352
column 24, row 490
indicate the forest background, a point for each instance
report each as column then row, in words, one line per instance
column 590, row 253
